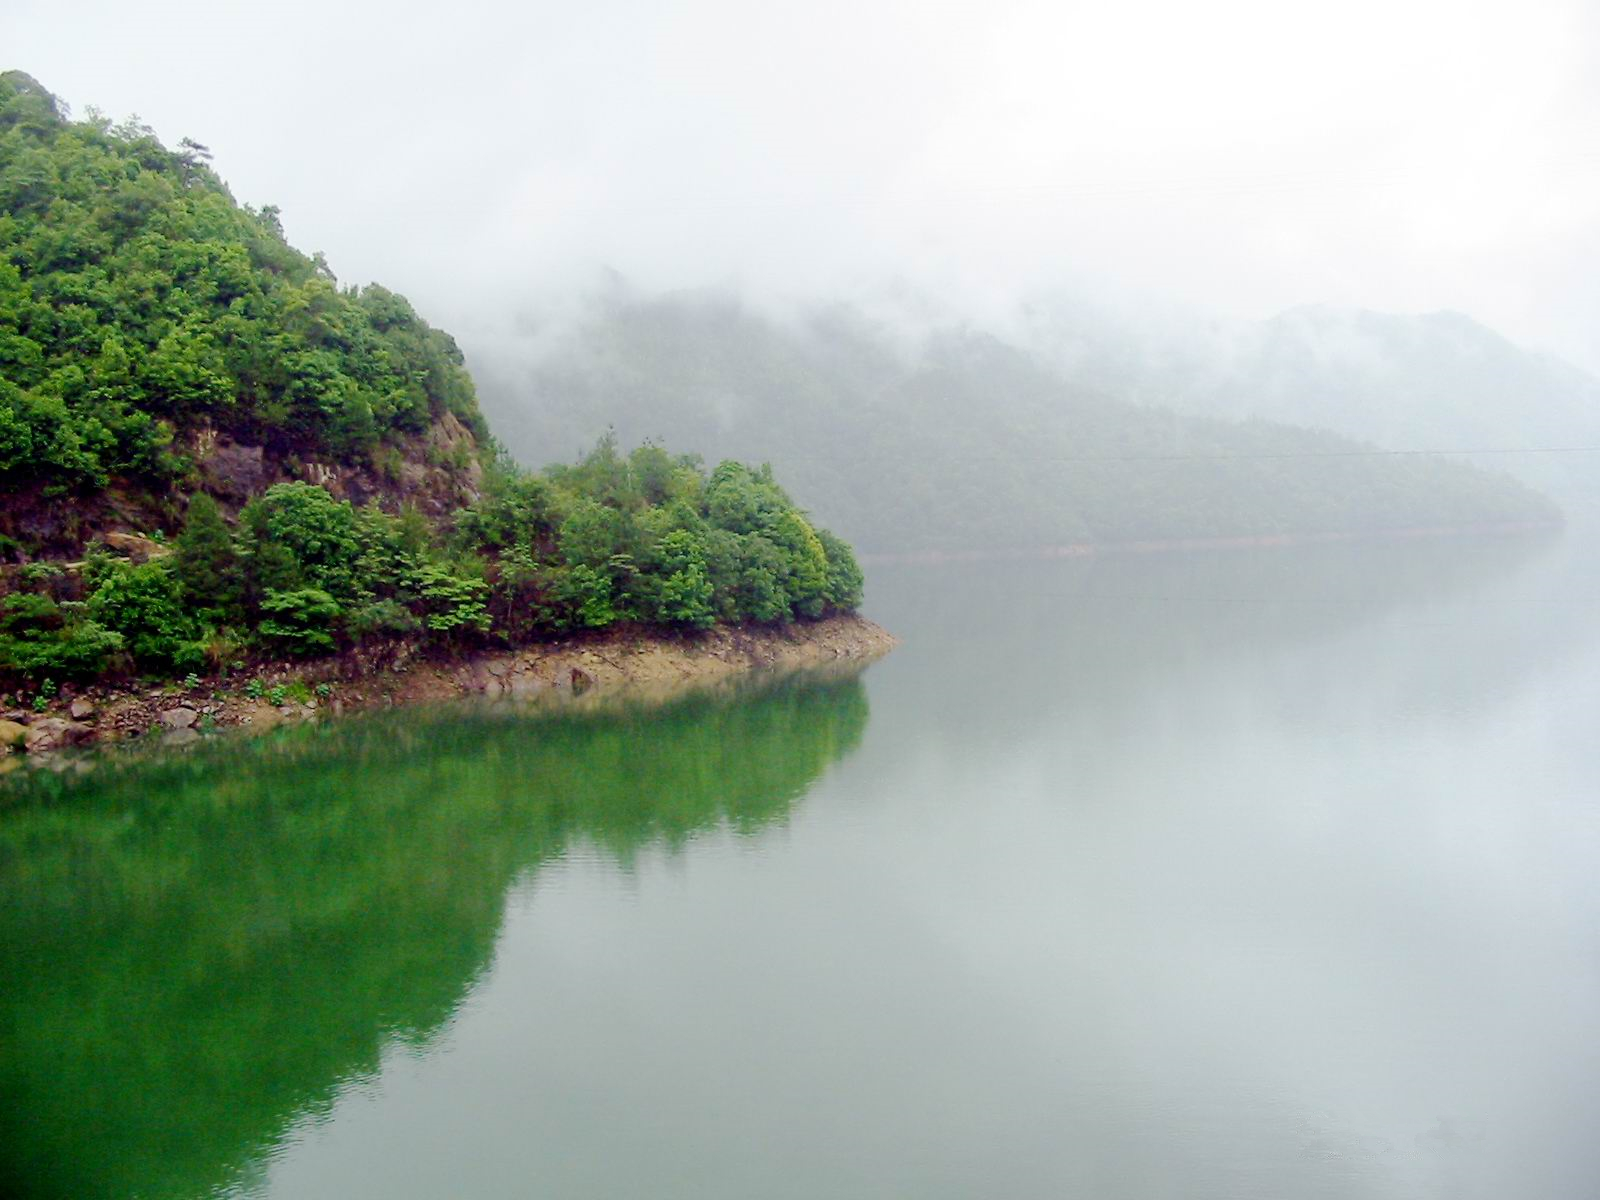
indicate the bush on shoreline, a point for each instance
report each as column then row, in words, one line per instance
column 645, row 538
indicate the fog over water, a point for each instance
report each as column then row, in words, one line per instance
column 1257, row 873
column 1238, row 158
column 1257, row 876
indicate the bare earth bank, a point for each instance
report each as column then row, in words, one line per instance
column 643, row 664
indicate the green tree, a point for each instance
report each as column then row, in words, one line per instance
column 315, row 531
column 205, row 559
column 844, row 574
column 686, row 591
column 143, row 603
column 805, row 563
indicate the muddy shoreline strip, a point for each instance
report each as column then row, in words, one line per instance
column 643, row 664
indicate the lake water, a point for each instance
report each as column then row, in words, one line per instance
column 1266, row 874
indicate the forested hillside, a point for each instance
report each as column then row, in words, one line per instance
column 210, row 451
column 959, row 441
column 155, row 338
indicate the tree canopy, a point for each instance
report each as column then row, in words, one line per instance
column 138, row 301
column 145, row 316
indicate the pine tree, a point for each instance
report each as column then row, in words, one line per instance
column 206, row 561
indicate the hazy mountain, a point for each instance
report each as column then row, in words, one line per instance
column 1439, row 381
column 954, row 440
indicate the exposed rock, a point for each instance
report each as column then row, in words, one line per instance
column 52, row 733
column 80, row 709
column 524, row 685
column 324, row 475
column 135, row 546
column 12, row 735
column 230, row 470
column 182, row 717
column 180, row 737
column 261, row 715
column 586, row 671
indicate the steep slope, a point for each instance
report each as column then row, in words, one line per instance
column 169, row 365
column 157, row 339
column 962, row 441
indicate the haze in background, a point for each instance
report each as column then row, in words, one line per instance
column 1240, row 157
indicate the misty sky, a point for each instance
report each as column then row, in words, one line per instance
column 1240, row 156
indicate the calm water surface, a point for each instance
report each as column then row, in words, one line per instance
column 1254, row 875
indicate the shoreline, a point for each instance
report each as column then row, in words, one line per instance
column 643, row 664
column 1179, row 545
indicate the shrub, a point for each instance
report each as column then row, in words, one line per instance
column 142, row 602
column 41, row 638
column 384, row 617
column 299, row 622
column 450, row 602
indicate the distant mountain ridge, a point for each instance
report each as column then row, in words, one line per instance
column 961, row 442
column 1437, row 381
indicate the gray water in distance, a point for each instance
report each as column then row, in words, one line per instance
column 1259, row 874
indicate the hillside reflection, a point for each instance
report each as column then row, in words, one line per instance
column 200, row 951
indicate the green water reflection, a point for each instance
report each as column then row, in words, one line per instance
column 197, row 953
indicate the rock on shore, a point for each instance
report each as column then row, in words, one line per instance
column 644, row 664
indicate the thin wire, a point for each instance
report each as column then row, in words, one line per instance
column 1288, row 454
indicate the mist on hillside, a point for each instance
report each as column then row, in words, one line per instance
column 718, row 600
column 1241, row 158
column 924, row 259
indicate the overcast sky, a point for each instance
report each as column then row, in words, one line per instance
column 1241, row 156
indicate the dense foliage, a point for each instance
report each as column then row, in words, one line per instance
column 144, row 314
column 960, row 441
column 138, row 301
column 644, row 538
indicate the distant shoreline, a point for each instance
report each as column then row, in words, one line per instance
column 1169, row 545
column 637, row 663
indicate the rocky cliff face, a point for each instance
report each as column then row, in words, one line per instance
column 435, row 472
